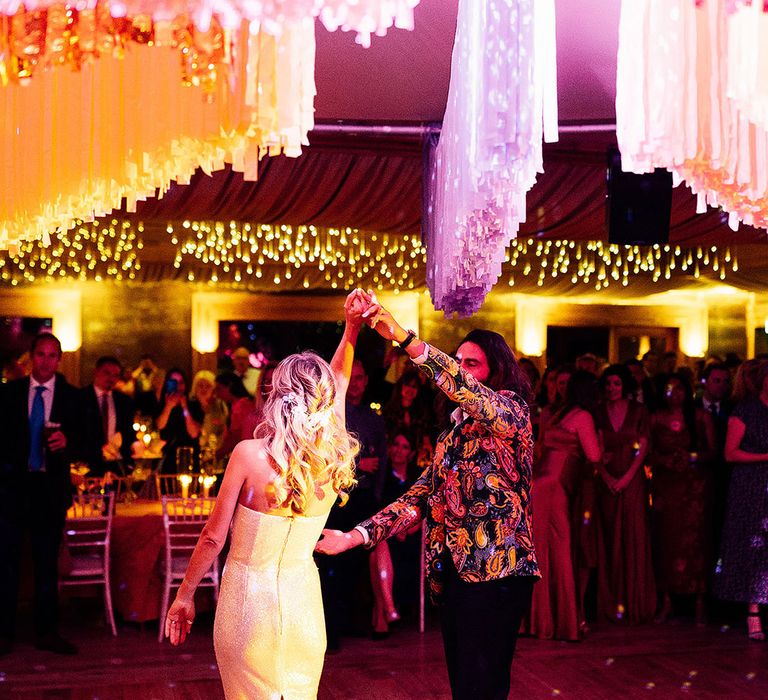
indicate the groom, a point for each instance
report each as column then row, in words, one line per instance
column 475, row 497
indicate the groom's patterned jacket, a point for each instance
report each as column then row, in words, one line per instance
column 475, row 495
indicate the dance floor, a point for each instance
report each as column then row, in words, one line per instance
column 653, row 661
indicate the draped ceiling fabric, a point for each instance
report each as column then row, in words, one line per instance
column 373, row 185
column 376, row 184
column 108, row 101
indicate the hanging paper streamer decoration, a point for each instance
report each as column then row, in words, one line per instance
column 748, row 60
column 691, row 97
column 502, row 96
column 103, row 101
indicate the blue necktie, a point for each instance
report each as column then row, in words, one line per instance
column 36, row 423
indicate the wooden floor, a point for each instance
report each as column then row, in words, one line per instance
column 654, row 661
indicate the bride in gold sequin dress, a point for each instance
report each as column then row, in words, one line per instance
column 269, row 633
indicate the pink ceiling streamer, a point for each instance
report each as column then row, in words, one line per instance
column 691, row 97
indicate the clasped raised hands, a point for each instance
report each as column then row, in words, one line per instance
column 365, row 306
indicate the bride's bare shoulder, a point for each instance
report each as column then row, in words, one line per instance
column 251, row 454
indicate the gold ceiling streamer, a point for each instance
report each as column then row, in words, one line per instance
column 104, row 102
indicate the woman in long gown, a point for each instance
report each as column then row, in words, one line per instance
column 742, row 570
column 683, row 440
column 269, row 632
column 626, row 590
column 394, row 563
column 568, row 442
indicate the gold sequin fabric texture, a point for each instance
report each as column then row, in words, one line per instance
column 269, row 633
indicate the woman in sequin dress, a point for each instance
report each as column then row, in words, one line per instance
column 742, row 570
column 269, row 632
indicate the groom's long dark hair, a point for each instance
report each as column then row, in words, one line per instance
column 505, row 372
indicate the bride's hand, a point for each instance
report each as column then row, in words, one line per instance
column 336, row 541
column 355, row 304
column 178, row 621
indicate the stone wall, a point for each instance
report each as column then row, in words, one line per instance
column 132, row 320
column 497, row 314
column 727, row 323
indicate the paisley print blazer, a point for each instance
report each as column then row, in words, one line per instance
column 475, row 495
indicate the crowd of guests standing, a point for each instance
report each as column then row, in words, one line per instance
column 650, row 491
column 650, row 484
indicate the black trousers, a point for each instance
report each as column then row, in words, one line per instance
column 33, row 509
column 480, row 623
column 345, row 578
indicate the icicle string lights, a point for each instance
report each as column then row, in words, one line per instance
column 264, row 257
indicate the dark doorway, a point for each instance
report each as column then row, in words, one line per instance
column 566, row 343
column 274, row 340
column 16, row 333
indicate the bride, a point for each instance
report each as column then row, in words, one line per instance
column 269, row 632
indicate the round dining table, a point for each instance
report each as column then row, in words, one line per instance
column 137, row 554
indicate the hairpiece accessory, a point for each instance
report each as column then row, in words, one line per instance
column 296, row 405
column 321, row 418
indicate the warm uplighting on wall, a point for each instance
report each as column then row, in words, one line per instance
column 694, row 332
column 205, row 340
column 70, row 337
column 530, row 326
column 62, row 305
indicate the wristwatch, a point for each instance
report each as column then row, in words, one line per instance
column 408, row 340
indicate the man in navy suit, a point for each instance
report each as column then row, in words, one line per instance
column 105, row 414
column 37, row 439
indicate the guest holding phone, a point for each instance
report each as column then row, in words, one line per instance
column 179, row 421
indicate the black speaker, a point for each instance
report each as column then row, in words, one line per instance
column 639, row 206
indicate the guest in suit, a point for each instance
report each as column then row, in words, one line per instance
column 716, row 400
column 475, row 497
column 106, row 420
column 249, row 375
column 345, row 613
column 38, row 435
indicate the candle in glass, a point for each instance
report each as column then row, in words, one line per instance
column 185, row 480
column 208, row 481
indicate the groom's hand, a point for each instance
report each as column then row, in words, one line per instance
column 336, row 541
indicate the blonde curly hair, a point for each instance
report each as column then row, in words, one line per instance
column 304, row 436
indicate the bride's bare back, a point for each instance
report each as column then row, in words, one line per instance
column 252, row 459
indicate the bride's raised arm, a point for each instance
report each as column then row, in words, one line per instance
column 344, row 357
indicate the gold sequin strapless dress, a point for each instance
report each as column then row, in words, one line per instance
column 269, row 633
